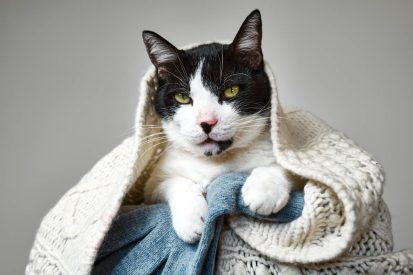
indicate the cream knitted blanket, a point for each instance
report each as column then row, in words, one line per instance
column 344, row 229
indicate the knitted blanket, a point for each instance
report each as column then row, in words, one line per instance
column 344, row 227
column 152, row 246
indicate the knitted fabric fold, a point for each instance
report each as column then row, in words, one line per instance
column 343, row 194
column 344, row 224
column 142, row 239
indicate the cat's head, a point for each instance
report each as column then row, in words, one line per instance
column 213, row 97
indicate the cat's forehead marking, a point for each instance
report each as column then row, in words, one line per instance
column 198, row 91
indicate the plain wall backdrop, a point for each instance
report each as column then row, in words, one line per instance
column 69, row 74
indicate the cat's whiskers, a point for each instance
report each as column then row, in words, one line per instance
column 266, row 107
column 171, row 83
column 252, row 124
column 183, row 67
column 252, row 127
column 257, row 109
column 261, row 110
column 249, row 127
column 183, row 82
column 231, row 75
column 221, row 65
column 128, row 131
column 131, row 130
column 151, row 135
column 245, row 117
column 152, row 146
column 167, row 148
column 252, row 120
column 153, row 140
column 180, row 73
column 151, row 127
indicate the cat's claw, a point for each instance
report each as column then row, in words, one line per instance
column 266, row 190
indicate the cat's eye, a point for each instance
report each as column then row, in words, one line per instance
column 231, row 92
column 182, row 98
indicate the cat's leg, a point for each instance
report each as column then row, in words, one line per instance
column 187, row 203
column 266, row 190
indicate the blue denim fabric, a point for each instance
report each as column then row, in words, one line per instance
column 143, row 241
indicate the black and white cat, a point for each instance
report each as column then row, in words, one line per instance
column 214, row 104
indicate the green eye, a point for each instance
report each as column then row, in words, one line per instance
column 182, row 98
column 231, row 92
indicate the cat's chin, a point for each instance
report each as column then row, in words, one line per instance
column 212, row 147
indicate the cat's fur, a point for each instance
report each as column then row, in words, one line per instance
column 214, row 135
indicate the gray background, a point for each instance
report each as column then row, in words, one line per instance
column 69, row 74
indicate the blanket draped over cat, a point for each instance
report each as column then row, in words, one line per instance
column 344, row 227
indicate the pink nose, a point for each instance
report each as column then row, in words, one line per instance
column 211, row 121
column 207, row 125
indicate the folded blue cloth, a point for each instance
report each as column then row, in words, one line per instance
column 143, row 241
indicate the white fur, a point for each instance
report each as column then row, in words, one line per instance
column 188, row 206
column 266, row 190
column 183, row 172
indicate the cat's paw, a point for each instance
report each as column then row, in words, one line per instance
column 188, row 215
column 266, row 190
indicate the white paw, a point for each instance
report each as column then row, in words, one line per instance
column 188, row 215
column 266, row 190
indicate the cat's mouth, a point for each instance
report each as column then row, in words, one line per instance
column 215, row 147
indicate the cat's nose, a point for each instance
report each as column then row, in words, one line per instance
column 208, row 124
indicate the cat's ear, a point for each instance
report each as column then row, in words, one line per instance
column 160, row 51
column 247, row 42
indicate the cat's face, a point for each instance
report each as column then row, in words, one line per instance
column 213, row 97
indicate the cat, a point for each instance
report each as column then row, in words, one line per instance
column 214, row 102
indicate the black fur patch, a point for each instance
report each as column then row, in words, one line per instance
column 224, row 65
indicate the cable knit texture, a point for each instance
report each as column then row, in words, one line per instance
column 344, row 229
